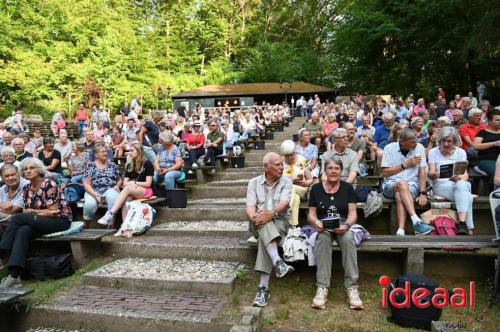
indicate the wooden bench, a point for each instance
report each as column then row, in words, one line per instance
column 8, row 295
column 414, row 246
column 85, row 245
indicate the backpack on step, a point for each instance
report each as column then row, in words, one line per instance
column 444, row 226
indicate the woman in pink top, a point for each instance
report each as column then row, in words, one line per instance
column 195, row 142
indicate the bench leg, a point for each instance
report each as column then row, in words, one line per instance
column 84, row 251
column 393, row 222
column 414, row 260
column 200, row 176
column 219, row 165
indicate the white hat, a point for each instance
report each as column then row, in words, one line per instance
column 287, row 147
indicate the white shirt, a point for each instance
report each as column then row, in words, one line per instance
column 436, row 157
column 393, row 157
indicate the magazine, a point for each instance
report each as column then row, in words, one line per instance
column 448, row 170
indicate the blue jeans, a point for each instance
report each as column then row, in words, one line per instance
column 80, row 125
column 56, row 176
column 150, row 153
column 458, row 192
column 168, row 179
column 90, row 205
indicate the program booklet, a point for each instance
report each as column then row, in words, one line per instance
column 448, row 170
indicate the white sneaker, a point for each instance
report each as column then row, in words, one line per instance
column 400, row 232
column 107, row 219
column 194, row 166
column 252, row 239
column 353, row 298
column 320, row 299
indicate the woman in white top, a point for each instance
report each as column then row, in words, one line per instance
column 456, row 188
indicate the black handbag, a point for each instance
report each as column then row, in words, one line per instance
column 49, row 267
column 420, row 318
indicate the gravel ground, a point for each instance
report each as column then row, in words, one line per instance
column 168, row 269
column 205, row 225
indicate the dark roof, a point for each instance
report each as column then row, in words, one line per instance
column 250, row 89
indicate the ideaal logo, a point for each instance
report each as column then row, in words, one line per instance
column 440, row 299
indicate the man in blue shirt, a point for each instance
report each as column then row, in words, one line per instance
column 381, row 137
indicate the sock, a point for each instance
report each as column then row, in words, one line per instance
column 264, row 279
column 415, row 219
column 272, row 250
column 14, row 271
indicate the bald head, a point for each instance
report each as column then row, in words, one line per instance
column 271, row 157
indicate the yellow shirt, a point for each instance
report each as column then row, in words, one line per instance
column 296, row 169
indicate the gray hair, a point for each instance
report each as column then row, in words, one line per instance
column 415, row 119
column 6, row 167
column 335, row 161
column 457, row 111
column 474, row 111
column 98, row 147
column 448, row 131
column 42, row 170
column 387, row 116
column 466, row 99
column 407, row 134
column 444, row 119
column 18, row 139
column 8, row 150
column 336, row 132
column 167, row 137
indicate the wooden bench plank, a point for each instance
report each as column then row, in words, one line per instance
column 9, row 294
column 83, row 235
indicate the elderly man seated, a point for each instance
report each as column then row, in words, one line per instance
column 341, row 152
column 11, row 198
column 296, row 167
column 403, row 169
column 268, row 196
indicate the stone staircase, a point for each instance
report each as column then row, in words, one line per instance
column 179, row 275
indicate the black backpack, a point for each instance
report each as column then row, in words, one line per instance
column 49, row 267
column 413, row 316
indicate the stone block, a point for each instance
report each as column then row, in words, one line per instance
column 441, row 326
column 241, row 328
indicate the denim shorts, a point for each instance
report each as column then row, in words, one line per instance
column 388, row 189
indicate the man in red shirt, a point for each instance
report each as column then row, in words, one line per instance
column 81, row 117
column 468, row 131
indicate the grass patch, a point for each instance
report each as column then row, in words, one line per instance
column 44, row 290
column 290, row 309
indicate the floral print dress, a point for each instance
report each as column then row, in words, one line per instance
column 46, row 195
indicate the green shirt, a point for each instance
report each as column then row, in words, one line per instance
column 214, row 137
column 314, row 129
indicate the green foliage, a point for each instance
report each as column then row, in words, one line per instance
column 49, row 49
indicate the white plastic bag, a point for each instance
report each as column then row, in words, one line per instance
column 138, row 220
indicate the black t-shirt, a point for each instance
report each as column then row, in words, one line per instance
column 47, row 161
column 147, row 171
column 490, row 153
column 152, row 135
column 125, row 110
column 328, row 205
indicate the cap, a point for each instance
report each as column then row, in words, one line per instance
column 196, row 123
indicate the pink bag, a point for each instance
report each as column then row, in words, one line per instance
column 444, row 226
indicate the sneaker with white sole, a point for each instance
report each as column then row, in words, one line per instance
column 282, row 268
column 252, row 240
column 107, row 219
column 400, row 232
column 319, row 301
column 353, row 298
column 262, row 297
column 10, row 282
column 422, row 228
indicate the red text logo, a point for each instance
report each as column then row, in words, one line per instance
column 420, row 296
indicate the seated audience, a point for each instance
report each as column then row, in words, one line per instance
column 296, row 168
column 469, row 130
column 341, row 152
column 268, row 197
column 334, row 198
column 456, row 188
column 78, row 163
column 137, row 184
column 168, row 164
column 403, row 169
column 102, row 183
column 308, row 151
column 315, row 127
column 8, row 155
column 45, row 212
column 51, row 158
column 11, row 193
column 487, row 143
column 19, row 150
column 381, row 137
column 214, row 142
column 195, row 144
column 417, row 124
column 64, row 146
column 356, row 144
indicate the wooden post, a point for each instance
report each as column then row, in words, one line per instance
column 414, row 261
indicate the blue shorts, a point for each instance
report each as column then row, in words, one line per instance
column 388, row 189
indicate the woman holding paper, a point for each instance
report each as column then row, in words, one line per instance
column 455, row 188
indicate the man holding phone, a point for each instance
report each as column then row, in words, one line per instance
column 403, row 169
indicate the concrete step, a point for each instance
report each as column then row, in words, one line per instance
column 237, row 175
column 202, row 247
column 210, row 191
column 202, row 212
column 212, row 227
column 246, row 169
column 230, row 183
column 128, row 310
column 180, row 275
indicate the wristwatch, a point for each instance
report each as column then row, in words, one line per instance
column 423, row 193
